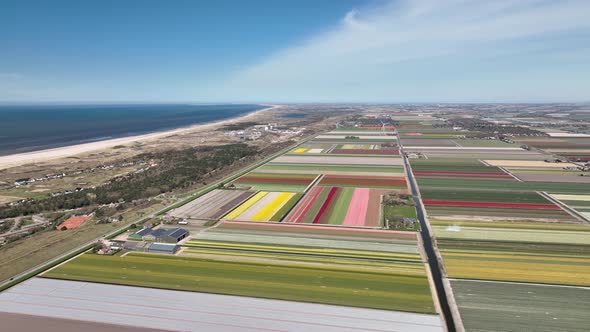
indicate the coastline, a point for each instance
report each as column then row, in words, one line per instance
column 18, row 159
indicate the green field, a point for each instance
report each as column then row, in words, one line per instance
column 497, row 306
column 483, row 196
column 390, row 288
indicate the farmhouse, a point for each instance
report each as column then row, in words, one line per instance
column 171, row 235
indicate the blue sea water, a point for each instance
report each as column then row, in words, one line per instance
column 30, row 128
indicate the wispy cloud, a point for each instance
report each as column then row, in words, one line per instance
column 11, row 76
column 375, row 53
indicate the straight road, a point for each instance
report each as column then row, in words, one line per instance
column 429, row 248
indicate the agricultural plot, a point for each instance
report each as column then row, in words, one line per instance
column 556, row 233
column 312, row 148
column 549, row 175
column 501, row 306
column 390, row 182
column 536, row 262
column 275, row 182
column 527, row 163
column 360, row 137
column 339, row 206
column 382, row 151
column 493, row 185
column 337, row 160
column 332, row 169
column 135, row 307
column 358, row 282
column 212, row 205
column 351, row 239
column 264, row 206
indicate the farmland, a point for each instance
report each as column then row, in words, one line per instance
column 495, row 306
column 504, row 217
column 213, row 205
column 339, row 206
column 264, row 206
column 274, row 181
column 336, row 276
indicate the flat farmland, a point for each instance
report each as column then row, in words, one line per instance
column 212, row 205
column 332, row 169
column 397, row 288
column 563, row 263
column 487, row 231
column 483, row 196
column 490, row 213
column 264, row 206
column 35, row 301
column 391, row 182
column 417, row 141
column 385, row 152
column 339, row 206
column 338, row 160
column 551, row 177
column 359, row 137
column 501, row 306
column 485, row 184
column 351, row 239
column 275, row 181
column 526, row 163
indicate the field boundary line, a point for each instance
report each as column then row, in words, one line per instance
column 485, row 163
column 330, row 149
column 510, row 173
column 312, row 184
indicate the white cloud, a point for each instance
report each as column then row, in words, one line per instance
column 371, row 51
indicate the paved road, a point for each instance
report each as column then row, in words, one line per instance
column 429, row 248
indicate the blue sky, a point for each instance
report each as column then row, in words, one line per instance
column 295, row 51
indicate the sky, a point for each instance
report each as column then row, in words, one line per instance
column 371, row 51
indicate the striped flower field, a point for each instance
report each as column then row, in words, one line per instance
column 339, row 206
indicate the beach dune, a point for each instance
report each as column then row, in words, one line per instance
column 67, row 151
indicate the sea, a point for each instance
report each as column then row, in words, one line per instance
column 26, row 128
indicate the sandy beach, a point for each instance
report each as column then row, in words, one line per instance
column 66, row 151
